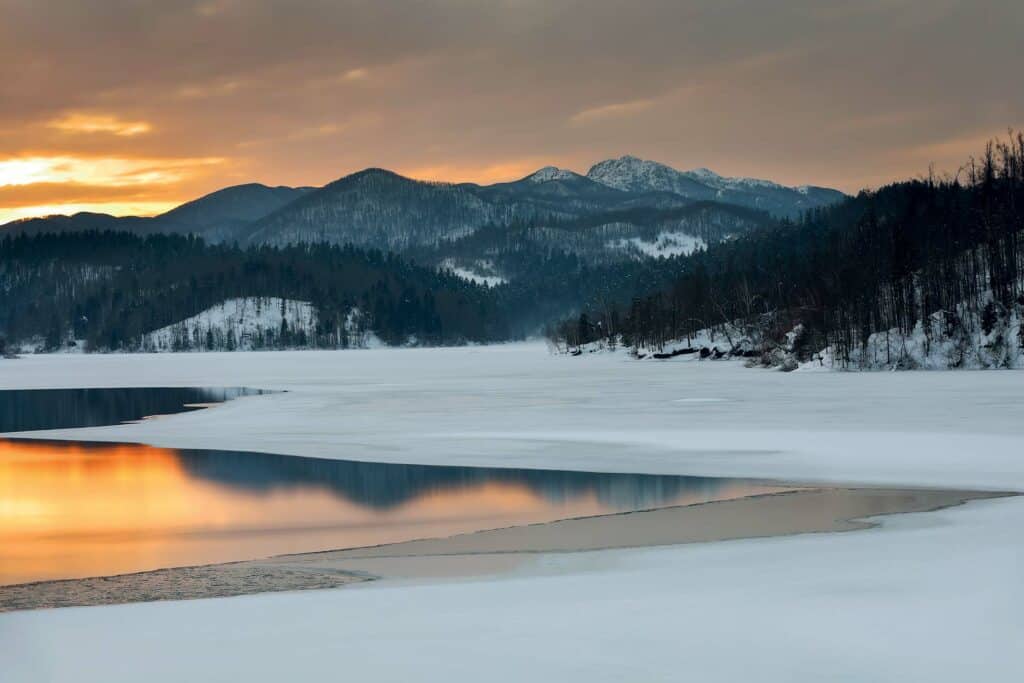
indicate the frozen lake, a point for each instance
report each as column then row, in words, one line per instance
column 73, row 509
column 932, row 596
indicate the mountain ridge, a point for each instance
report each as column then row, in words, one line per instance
column 633, row 174
column 379, row 208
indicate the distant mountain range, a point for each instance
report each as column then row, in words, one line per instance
column 381, row 209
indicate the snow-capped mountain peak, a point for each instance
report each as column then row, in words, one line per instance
column 701, row 184
column 631, row 174
column 720, row 182
column 549, row 173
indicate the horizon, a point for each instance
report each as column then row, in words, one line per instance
column 4, row 220
column 135, row 110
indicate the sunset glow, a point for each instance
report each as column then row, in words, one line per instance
column 68, row 184
column 79, row 510
column 85, row 123
column 112, row 172
column 181, row 100
column 15, row 213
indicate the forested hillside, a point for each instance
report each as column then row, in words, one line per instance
column 117, row 291
column 603, row 238
column 927, row 272
column 108, row 290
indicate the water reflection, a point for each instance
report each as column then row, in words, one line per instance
column 71, row 509
column 32, row 409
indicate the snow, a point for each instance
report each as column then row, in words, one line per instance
column 630, row 173
column 934, row 596
column 705, row 174
column 470, row 275
column 549, row 173
column 873, row 605
column 517, row 405
column 666, row 244
column 244, row 320
column 253, row 323
column 956, row 340
column 720, row 182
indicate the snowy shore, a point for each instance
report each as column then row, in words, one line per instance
column 932, row 596
column 519, row 406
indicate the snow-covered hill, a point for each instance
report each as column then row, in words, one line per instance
column 250, row 323
column 247, row 323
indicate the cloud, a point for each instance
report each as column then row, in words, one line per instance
column 204, row 90
column 213, row 8
column 112, row 172
column 46, row 184
column 610, row 111
column 469, row 90
column 93, row 123
column 355, row 75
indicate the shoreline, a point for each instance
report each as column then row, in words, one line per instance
column 797, row 511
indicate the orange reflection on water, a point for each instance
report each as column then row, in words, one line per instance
column 48, row 490
column 71, row 510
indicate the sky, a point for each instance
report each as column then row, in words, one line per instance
column 134, row 106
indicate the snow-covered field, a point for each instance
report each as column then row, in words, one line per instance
column 935, row 596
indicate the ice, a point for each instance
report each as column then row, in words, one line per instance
column 935, row 596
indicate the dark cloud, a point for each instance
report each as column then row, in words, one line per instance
column 302, row 91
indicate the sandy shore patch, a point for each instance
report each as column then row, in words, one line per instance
column 486, row 552
column 179, row 583
column 812, row 510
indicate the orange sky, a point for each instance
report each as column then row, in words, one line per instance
column 135, row 107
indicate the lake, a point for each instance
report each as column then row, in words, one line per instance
column 77, row 509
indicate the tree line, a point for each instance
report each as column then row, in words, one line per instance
column 919, row 253
column 107, row 289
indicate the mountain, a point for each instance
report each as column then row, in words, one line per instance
column 165, row 292
column 630, row 174
column 79, row 222
column 217, row 217
column 222, row 215
column 566, row 193
column 510, row 253
column 918, row 274
column 380, row 209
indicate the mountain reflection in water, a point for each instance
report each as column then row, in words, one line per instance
column 72, row 509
